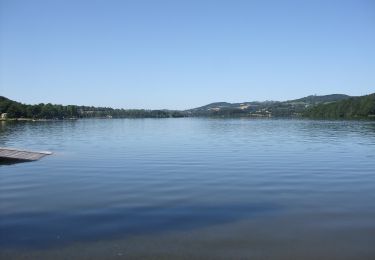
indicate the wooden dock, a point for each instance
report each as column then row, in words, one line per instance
column 21, row 155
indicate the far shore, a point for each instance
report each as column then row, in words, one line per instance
column 35, row 119
column 369, row 118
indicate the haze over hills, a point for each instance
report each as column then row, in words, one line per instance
column 327, row 106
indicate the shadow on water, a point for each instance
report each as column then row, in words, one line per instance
column 44, row 230
column 11, row 161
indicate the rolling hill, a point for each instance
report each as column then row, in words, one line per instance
column 354, row 107
column 290, row 108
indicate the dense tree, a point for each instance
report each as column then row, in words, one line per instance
column 49, row 111
column 355, row 107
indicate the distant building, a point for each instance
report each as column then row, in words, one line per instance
column 4, row 116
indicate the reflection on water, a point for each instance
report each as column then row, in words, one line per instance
column 120, row 222
column 212, row 186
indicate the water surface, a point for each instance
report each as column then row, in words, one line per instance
column 190, row 188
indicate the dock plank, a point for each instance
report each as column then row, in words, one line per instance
column 18, row 154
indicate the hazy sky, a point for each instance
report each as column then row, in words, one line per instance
column 182, row 54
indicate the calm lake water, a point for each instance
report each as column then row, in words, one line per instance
column 190, row 188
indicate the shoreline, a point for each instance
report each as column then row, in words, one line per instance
column 33, row 120
column 369, row 118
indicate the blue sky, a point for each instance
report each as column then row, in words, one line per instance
column 183, row 54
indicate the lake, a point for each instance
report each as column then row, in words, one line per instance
column 189, row 188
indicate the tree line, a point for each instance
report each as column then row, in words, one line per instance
column 355, row 107
column 49, row 111
column 348, row 108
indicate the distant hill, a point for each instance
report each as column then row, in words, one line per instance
column 213, row 105
column 314, row 99
column 290, row 108
column 354, row 107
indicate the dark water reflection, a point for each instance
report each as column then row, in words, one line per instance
column 114, row 179
column 58, row 229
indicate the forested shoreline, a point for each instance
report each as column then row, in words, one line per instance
column 15, row 109
column 333, row 106
column 351, row 108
